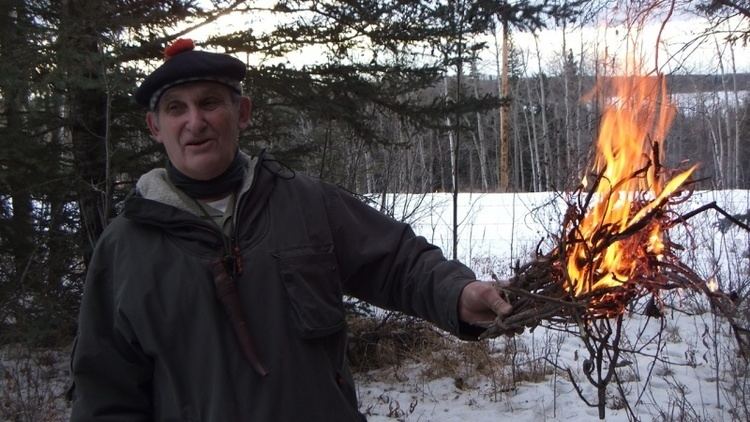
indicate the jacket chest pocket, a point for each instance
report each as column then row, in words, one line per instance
column 313, row 285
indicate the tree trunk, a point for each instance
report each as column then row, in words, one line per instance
column 547, row 172
column 504, row 140
column 18, row 150
column 439, row 158
column 737, row 168
column 566, row 101
column 716, row 143
column 579, row 119
column 519, row 168
column 87, row 101
column 723, row 110
column 451, row 146
column 536, row 164
column 479, row 143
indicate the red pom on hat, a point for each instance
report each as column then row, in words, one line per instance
column 178, row 46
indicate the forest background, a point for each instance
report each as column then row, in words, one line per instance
column 402, row 96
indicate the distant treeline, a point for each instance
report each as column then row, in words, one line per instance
column 708, row 83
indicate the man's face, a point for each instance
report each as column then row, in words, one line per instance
column 199, row 125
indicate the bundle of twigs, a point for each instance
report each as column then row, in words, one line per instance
column 541, row 291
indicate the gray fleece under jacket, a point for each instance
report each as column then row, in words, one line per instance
column 155, row 344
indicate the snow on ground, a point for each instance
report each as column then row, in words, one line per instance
column 679, row 385
column 689, row 372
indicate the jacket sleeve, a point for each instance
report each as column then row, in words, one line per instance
column 383, row 262
column 111, row 375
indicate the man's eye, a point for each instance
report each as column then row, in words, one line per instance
column 173, row 108
column 211, row 103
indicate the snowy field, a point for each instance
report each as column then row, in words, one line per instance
column 683, row 367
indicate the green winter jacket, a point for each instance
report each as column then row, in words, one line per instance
column 155, row 344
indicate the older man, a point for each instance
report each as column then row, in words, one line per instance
column 217, row 294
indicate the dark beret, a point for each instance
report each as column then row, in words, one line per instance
column 183, row 64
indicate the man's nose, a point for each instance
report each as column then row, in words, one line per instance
column 196, row 120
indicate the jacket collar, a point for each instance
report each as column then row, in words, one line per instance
column 156, row 186
column 157, row 202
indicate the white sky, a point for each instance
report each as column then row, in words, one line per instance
column 682, row 49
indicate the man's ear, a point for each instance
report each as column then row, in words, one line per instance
column 153, row 125
column 246, row 108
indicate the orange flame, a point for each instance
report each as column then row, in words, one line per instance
column 630, row 186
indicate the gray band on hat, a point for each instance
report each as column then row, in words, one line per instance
column 154, row 100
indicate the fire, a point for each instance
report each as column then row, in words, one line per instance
column 630, row 186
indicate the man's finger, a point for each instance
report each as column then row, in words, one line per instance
column 501, row 307
column 483, row 324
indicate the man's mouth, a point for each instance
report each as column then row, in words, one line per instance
column 196, row 142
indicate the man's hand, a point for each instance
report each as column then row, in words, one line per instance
column 480, row 304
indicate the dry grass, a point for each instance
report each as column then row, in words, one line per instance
column 389, row 346
column 32, row 384
column 375, row 343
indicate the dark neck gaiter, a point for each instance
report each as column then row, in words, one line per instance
column 222, row 184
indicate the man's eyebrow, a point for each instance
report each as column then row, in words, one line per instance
column 167, row 98
column 210, row 93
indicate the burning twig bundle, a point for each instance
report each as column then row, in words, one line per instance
column 577, row 281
